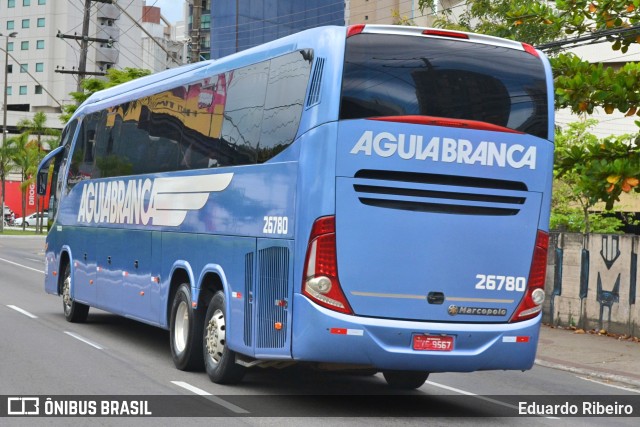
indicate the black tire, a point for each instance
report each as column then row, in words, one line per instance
column 405, row 380
column 74, row 312
column 186, row 331
column 219, row 360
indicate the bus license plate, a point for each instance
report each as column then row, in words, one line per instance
column 432, row 343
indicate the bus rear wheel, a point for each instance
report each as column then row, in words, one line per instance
column 405, row 380
column 185, row 331
column 74, row 312
column 219, row 360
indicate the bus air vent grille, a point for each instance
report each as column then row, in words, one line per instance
column 316, row 80
column 273, row 291
column 444, row 194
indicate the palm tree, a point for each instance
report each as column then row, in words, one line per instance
column 26, row 159
column 7, row 152
column 37, row 127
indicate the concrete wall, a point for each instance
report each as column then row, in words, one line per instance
column 592, row 282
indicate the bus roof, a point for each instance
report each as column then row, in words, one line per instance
column 316, row 38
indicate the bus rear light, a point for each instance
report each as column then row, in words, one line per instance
column 320, row 280
column 445, row 33
column 531, row 303
column 352, row 30
column 530, row 49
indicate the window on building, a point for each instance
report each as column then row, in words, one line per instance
column 38, row 90
column 25, row 23
column 24, row 68
column 40, row 44
column 9, row 90
column 39, row 67
column 24, row 45
column 40, row 22
column 41, row 2
column 23, row 90
column 10, row 46
column 11, row 3
column 10, row 25
column 10, row 68
column 26, row 2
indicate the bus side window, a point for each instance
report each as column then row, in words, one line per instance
column 287, row 87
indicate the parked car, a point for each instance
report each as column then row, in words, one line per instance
column 30, row 220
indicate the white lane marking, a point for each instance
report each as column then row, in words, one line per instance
column 20, row 265
column 35, row 260
column 25, row 312
column 486, row 399
column 84, row 340
column 211, row 397
column 610, row 385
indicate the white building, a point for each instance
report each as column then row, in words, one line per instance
column 35, row 53
column 160, row 47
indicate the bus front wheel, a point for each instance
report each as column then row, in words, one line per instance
column 74, row 312
column 219, row 360
column 405, row 380
column 186, row 330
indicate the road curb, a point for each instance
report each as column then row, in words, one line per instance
column 589, row 373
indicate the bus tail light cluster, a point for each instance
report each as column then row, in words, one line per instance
column 531, row 304
column 320, row 280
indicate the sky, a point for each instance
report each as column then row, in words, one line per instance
column 171, row 9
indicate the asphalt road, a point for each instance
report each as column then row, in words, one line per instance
column 43, row 355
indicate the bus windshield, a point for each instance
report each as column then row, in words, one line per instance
column 395, row 75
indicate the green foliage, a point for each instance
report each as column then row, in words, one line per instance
column 114, row 77
column 497, row 18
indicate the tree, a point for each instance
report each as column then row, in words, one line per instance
column 493, row 17
column 588, row 169
column 37, row 127
column 114, row 77
column 26, row 157
column 7, row 152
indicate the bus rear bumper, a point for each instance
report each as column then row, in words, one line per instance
column 321, row 335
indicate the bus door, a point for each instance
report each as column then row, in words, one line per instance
column 124, row 278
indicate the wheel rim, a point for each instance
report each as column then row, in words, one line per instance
column 181, row 330
column 216, row 336
column 66, row 295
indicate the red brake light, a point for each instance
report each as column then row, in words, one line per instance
column 444, row 33
column 352, row 30
column 530, row 49
column 440, row 121
column 531, row 303
column 320, row 279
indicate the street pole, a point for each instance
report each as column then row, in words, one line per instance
column 4, row 105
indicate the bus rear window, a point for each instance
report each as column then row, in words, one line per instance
column 394, row 75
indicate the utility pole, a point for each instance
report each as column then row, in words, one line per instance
column 84, row 45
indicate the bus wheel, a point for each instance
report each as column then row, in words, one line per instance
column 219, row 360
column 405, row 380
column 186, row 330
column 74, row 312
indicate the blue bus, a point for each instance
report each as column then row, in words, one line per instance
column 370, row 197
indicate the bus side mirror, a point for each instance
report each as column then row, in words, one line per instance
column 43, row 176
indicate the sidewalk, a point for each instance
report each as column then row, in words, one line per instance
column 592, row 355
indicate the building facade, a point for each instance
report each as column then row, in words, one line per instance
column 241, row 24
column 42, row 65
